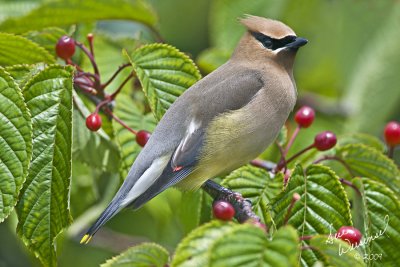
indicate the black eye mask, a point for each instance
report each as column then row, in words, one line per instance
column 272, row 43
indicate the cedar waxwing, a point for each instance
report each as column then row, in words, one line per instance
column 220, row 123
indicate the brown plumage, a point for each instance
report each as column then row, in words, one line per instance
column 220, row 123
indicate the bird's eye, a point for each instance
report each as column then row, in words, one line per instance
column 266, row 41
column 272, row 43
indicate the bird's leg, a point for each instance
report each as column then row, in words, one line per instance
column 242, row 206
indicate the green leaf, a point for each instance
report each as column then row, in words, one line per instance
column 16, row 50
column 336, row 252
column 371, row 94
column 22, row 73
column 16, row 8
column 257, row 185
column 85, row 142
column 15, row 143
column 107, row 156
column 360, row 138
column 43, row 209
column 322, row 208
column 368, row 162
column 46, row 38
column 126, row 110
column 381, row 221
column 144, row 255
column 190, row 209
column 64, row 13
column 228, row 244
column 165, row 73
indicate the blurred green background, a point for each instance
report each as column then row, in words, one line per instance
column 349, row 72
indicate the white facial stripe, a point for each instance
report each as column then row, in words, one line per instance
column 147, row 179
column 276, row 51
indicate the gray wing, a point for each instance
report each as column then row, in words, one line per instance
column 227, row 89
column 181, row 133
column 218, row 94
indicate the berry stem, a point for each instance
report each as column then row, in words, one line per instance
column 113, row 95
column 69, row 62
column 92, row 61
column 296, row 197
column 338, row 160
column 101, row 104
column 87, row 89
column 90, row 40
column 263, row 164
column 283, row 164
column 391, row 152
column 347, row 182
column 291, row 140
column 306, row 237
column 120, row 68
column 84, row 73
column 121, row 122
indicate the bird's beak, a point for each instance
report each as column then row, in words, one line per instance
column 297, row 43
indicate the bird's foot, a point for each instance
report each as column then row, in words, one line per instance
column 242, row 206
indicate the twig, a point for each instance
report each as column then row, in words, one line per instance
column 92, row 61
column 120, row 68
column 86, row 89
column 306, row 237
column 113, row 95
column 347, row 167
column 263, row 164
column 296, row 197
column 120, row 122
column 391, row 152
column 347, row 182
column 281, row 165
column 291, row 140
column 242, row 206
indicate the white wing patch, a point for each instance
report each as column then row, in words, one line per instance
column 147, row 179
column 193, row 127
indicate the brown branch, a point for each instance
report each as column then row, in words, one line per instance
column 242, row 206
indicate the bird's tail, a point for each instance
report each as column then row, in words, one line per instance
column 153, row 181
column 112, row 209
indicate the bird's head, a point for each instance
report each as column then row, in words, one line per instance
column 267, row 38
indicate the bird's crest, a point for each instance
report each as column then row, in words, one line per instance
column 269, row 27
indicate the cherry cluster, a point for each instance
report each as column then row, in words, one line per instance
column 323, row 141
column 90, row 84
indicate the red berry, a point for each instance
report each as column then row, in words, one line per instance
column 349, row 234
column 142, row 137
column 325, row 140
column 93, row 122
column 223, row 210
column 65, row 47
column 304, row 116
column 392, row 133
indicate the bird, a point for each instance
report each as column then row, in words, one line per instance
column 221, row 122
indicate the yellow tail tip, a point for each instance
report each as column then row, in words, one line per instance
column 86, row 239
